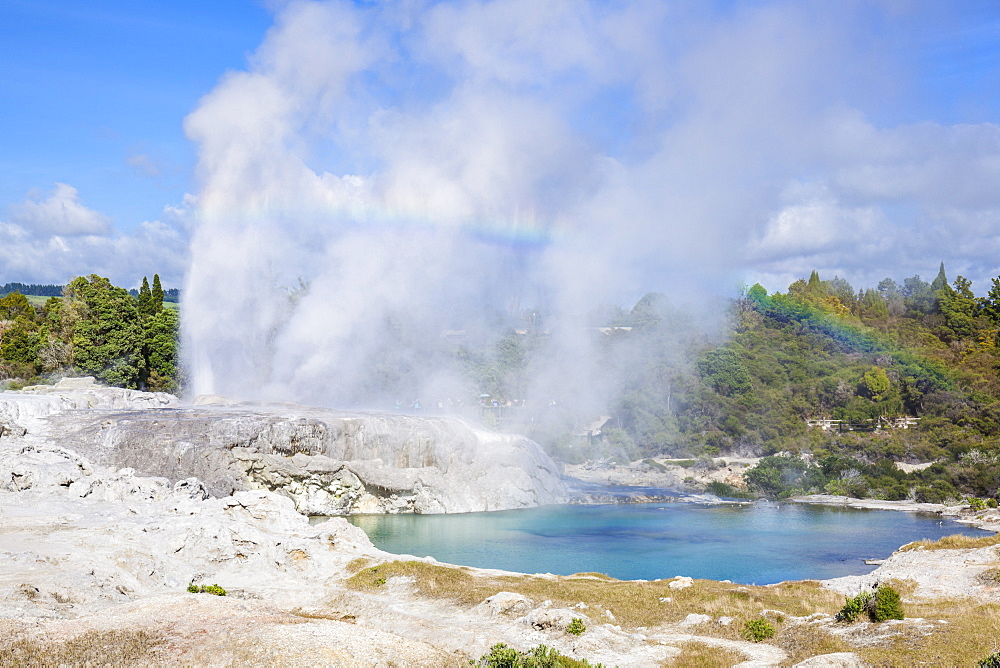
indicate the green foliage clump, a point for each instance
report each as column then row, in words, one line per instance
column 576, row 627
column 95, row 329
column 881, row 605
column 502, row 656
column 758, row 630
column 990, row 661
column 206, row 589
column 854, row 606
column 726, row 491
column 886, row 605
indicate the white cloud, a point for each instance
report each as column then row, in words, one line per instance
column 145, row 164
column 60, row 213
column 58, row 238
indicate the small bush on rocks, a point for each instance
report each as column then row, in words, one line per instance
column 502, row 656
column 991, row 661
column 854, row 606
column 757, row 630
column 576, row 627
column 206, row 589
column 881, row 605
column 886, row 605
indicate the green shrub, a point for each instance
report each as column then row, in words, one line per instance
column 991, row 661
column 653, row 464
column 977, row 504
column 502, row 656
column 881, row 605
column 886, row 605
column 854, row 606
column 206, row 589
column 725, row 490
column 992, row 503
column 576, row 627
column 757, row 630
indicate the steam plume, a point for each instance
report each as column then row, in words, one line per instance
column 420, row 167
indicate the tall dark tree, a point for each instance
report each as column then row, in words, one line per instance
column 940, row 281
column 145, row 298
column 990, row 304
column 958, row 306
column 157, row 294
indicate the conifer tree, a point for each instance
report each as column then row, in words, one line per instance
column 157, row 295
column 940, row 281
column 990, row 304
column 145, row 298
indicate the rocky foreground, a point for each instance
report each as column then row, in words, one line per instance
column 98, row 557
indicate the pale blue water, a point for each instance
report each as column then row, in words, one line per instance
column 750, row 544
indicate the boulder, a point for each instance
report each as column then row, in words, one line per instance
column 507, row 603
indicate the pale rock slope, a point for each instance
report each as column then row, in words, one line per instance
column 328, row 462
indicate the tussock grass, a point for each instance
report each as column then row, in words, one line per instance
column 953, row 542
column 320, row 614
column 94, row 648
column 970, row 633
column 633, row 604
column 700, row 655
column 990, row 578
column 802, row 641
column 355, row 565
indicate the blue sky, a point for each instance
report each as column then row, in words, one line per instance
column 94, row 95
column 781, row 136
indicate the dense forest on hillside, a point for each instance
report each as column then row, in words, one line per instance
column 94, row 329
column 862, row 363
column 861, row 360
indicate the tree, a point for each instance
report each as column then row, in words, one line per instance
column 103, row 325
column 159, row 352
column 893, row 296
column 917, row 294
column 958, row 306
column 876, row 383
column 157, row 294
column 15, row 306
column 145, row 298
column 723, row 371
column 990, row 304
column 940, row 281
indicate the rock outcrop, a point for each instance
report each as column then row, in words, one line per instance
column 328, row 462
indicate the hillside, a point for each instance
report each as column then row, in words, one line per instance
column 823, row 351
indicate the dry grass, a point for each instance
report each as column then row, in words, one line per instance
column 953, row 542
column 321, row 614
column 355, row 565
column 633, row 604
column 94, row 648
column 969, row 634
column 700, row 655
column 802, row 641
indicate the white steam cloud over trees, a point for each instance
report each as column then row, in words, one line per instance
column 385, row 173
